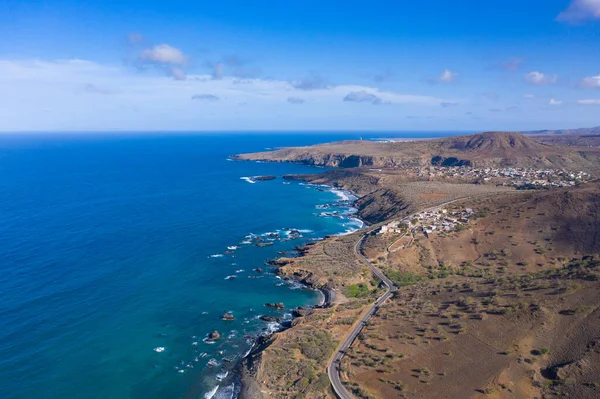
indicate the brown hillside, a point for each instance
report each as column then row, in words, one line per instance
column 501, row 143
column 491, row 149
column 508, row 307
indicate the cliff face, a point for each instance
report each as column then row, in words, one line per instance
column 333, row 160
column 493, row 149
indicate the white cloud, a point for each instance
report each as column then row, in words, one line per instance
column 591, row 82
column 580, row 10
column 529, row 96
column 55, row 95
column 167, row 58
column 554, row 102
column 163, row 54
column 447, row 76
column 540, row 79
column 313, row 82
column 362, row 97
column 588, row 102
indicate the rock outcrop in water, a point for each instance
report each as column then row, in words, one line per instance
column 278, row 305
column 228, row 316
column 263, row 178
column 213, row 336
column 270, row 319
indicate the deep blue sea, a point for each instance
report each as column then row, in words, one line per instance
column 115, row 252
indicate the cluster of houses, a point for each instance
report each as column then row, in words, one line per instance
column 517, row 177
column 428, row 222
column 439, row 220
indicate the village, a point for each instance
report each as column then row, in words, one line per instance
column 515, row 177
column 428, row 222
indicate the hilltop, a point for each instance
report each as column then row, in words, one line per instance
column 489, row 149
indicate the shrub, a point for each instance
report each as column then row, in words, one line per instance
column 403, row 279
column 357, row 291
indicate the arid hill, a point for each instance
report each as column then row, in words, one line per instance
column 491, row 149
column 506, row 307
column 586, row 131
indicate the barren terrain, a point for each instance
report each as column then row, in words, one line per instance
column 507, row 307
column 492, row 149
column 502, row 306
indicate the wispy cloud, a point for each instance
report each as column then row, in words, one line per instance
column 384, row 76
column 529, row 96
column 580, row 10
column 295, row 100
column 591, row 82
column 165, row 57
column 96, row 89
column 588, row 102
column 554, row 102
column 217, row 72
column 362, row 97
column 31, row 87
column 540, row 79
column 447, row 76
column 512, row 64
column 163, row 54
column 448, row 104
column 513, row 108
column 205, row 97
column 233, row 65
column 313, row 82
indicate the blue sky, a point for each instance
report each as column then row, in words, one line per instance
column 310, row 65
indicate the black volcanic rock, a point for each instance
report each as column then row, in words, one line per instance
column 263, row 178
column 278, row 305
column 270, row 319
column 301, row 312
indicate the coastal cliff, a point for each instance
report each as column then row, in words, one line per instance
column 490, row 149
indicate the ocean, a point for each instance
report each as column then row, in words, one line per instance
column 121, row 252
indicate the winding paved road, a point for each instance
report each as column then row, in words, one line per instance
column 333, row 369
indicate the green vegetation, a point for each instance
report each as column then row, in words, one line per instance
column 403, row 279
column 357, row 291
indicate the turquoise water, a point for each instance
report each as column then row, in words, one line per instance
column 112, row 248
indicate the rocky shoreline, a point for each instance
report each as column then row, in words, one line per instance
column 247, row 368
